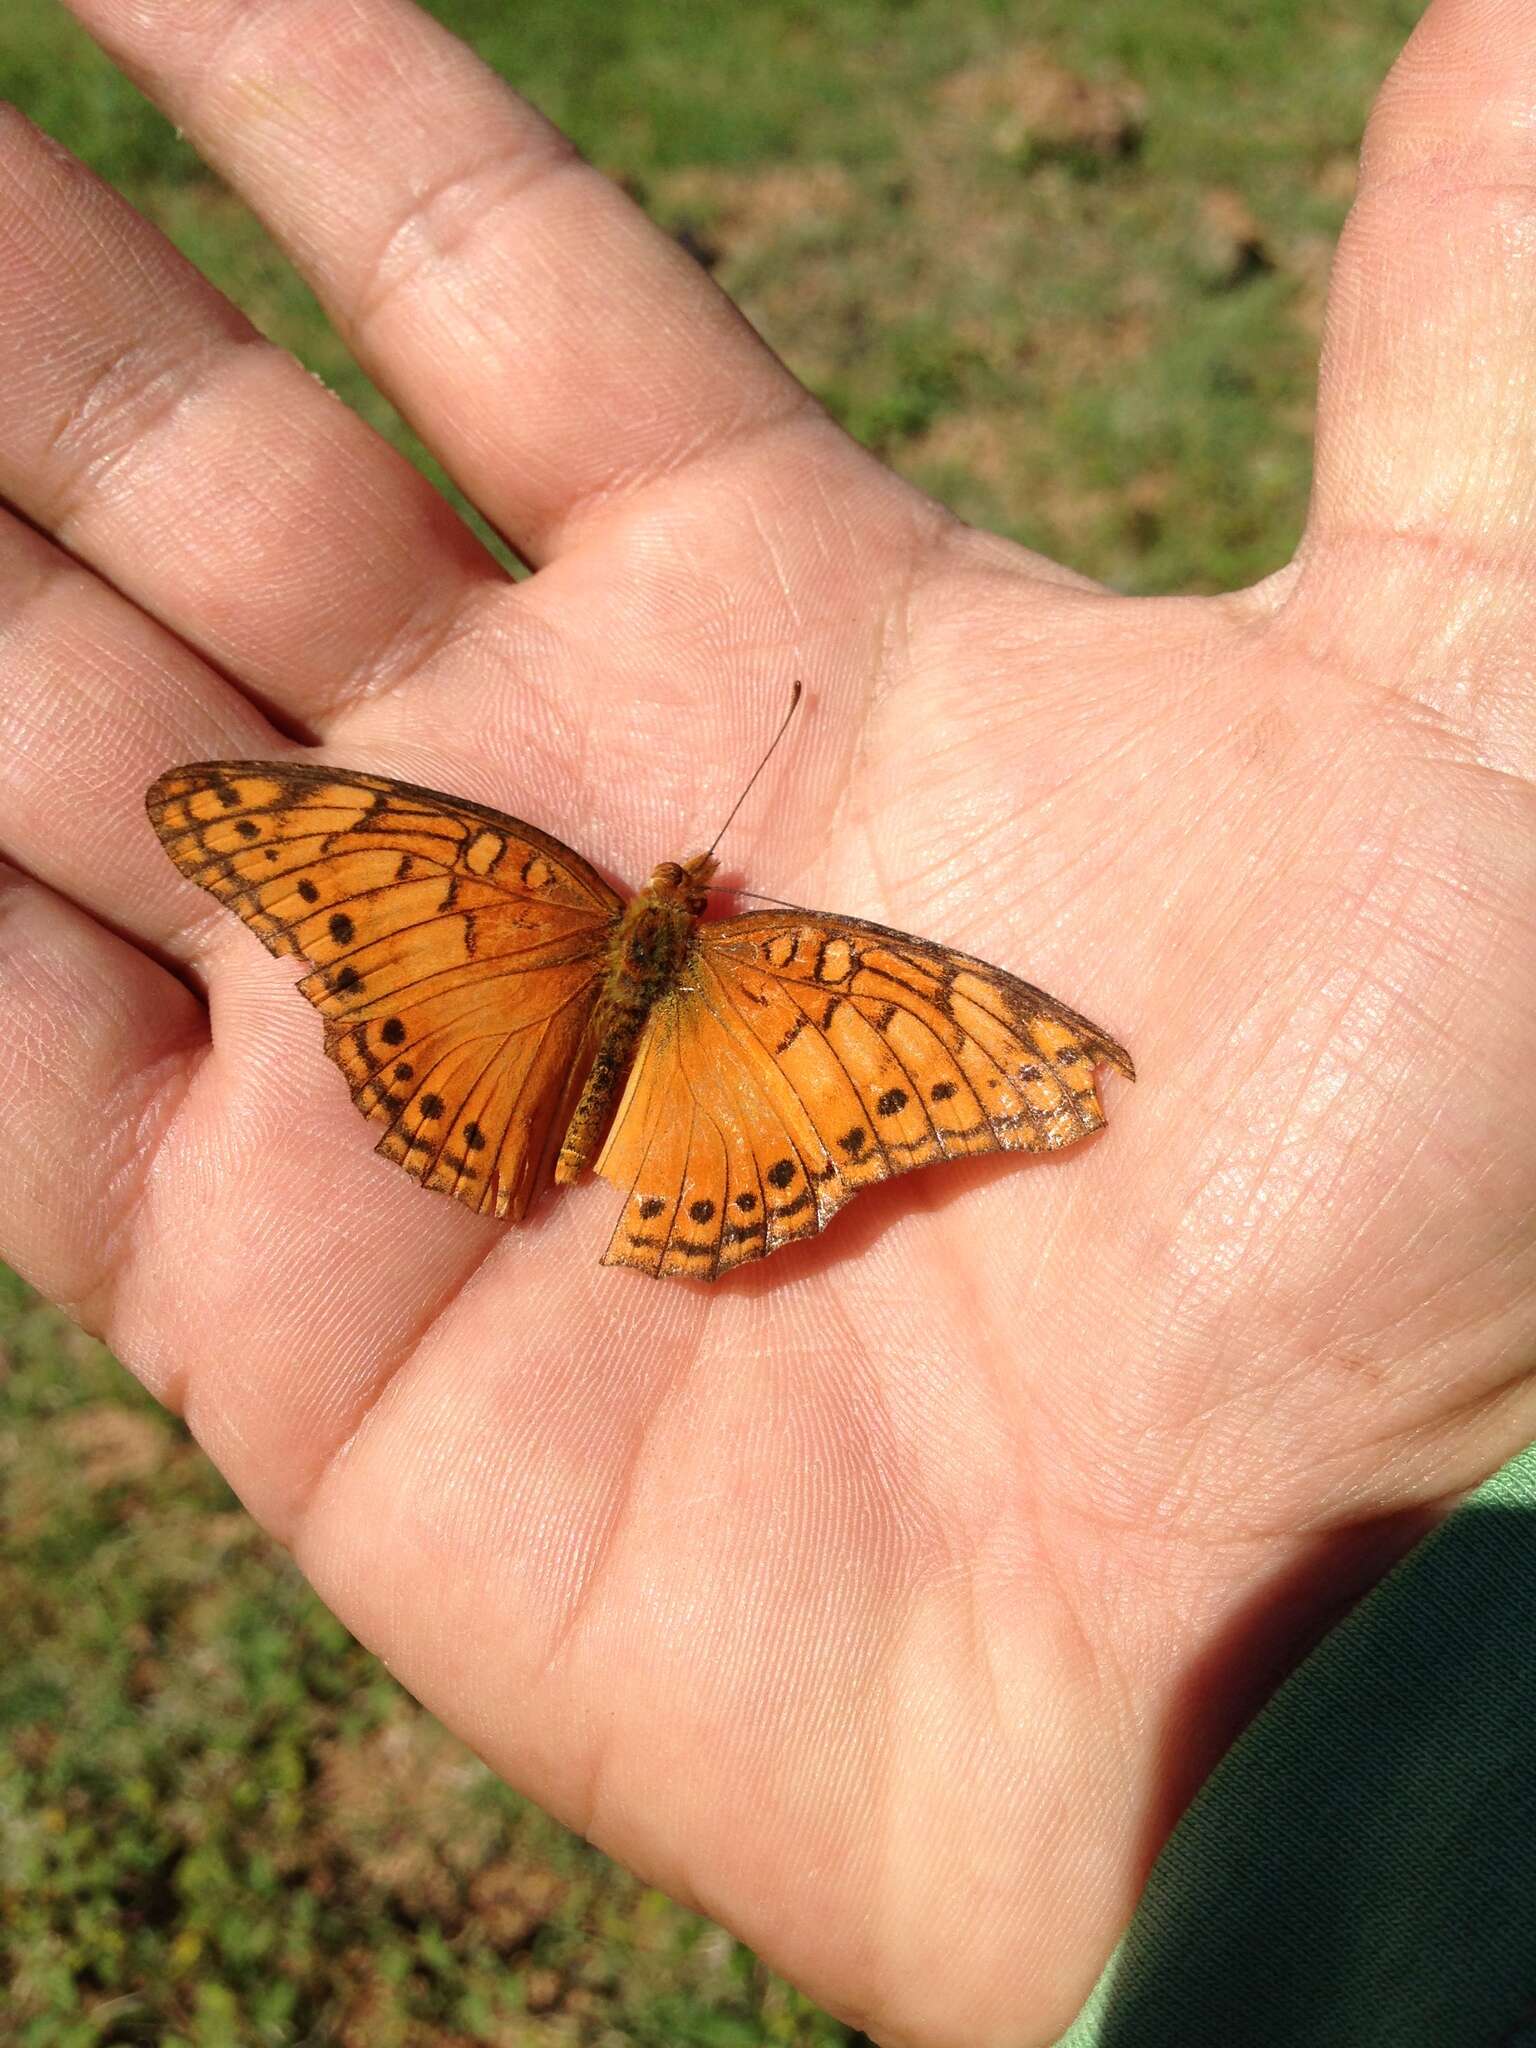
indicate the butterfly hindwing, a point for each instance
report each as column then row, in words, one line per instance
column 804, row 1056
column 717, row 1155
column 455, row 953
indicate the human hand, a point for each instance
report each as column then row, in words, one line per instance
column 889, row 1599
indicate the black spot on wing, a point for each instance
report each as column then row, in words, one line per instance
column 781, row 1173
column 651, row 1206
column 342, row 928
column 702, row 1210
column 892, row 1102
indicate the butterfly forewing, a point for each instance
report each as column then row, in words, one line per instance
column 456, row 953
column 805, row 1056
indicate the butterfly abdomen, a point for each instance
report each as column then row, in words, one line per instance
column 650, row 944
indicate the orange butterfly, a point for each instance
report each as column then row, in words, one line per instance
column 486, row 994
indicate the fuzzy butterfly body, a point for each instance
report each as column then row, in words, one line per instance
column 489, row 999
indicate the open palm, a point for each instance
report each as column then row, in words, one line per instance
column 889, row 1598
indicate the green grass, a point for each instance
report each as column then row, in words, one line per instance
column 1062, row 266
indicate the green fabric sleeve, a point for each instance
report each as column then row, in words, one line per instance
column 1360, row 1869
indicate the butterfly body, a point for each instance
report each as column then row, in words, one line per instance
column 646, row 955
column 498, row 1008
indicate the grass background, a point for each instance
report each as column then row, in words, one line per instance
column 1065, row 268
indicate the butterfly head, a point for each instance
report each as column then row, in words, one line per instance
column 687, row 881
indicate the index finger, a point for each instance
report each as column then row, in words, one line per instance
column 553, row 346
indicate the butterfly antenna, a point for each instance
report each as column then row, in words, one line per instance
column 756, row 896
column 794, row 699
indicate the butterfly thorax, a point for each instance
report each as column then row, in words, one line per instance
column 646, row 954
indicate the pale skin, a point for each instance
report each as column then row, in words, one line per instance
column 891, row 1599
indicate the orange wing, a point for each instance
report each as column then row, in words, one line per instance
column 457, row 953
column 802, row 1057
